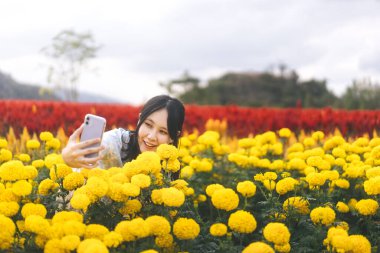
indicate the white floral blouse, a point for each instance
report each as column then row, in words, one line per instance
column 116, row 147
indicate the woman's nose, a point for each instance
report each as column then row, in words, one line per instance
column 152, row 135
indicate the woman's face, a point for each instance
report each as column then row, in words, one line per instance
column 154, row 131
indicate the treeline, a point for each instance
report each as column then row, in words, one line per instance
column 272, row 89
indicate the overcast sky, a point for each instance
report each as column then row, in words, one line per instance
column 147, row 42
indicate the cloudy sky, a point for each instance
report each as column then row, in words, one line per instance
column 147, row 42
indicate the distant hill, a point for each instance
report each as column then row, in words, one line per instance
column 11, row 89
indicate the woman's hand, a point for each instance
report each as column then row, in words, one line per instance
column 74, row 152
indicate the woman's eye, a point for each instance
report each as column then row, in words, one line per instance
column 148, row 124
column 163, row 132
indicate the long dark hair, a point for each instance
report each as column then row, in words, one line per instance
column 176, row 116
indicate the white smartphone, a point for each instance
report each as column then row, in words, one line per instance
column 93, row 128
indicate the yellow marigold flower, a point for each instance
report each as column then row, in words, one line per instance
column 3, row 143
column 270, row 185
column 73, row 181
column 186, row 229
column 5, row 155
column 38, row 163
column 33, row 209
column 159, row 225
column 339, row 152
column 139, row 228
column 342, row 207
column 297, row 164
column 342, row 183
column 258, row 247
column 80, row 201
column 205, row 165
column 367, row 207
column 24, row 158
column 360, row 244
column 8, row 230
column 36, row 224
column 375, row 152
column 167, row 152
column 53, row 143
column 54, row 231
column 246, row 142
column 70, row 242
column 246, row 188
column 63, row 216
column 209, row 138
column 124, row 229
column 284, row 133
column 9, row 209
column 141, row 180
column 225, row 199
column 340, row 162
column 187, row 172
column 341, row 243
column 210, row 189
column 151, row 161
column 46, row 186
column 54, row 245
column 131, row 207
column 218, row 229
column 97, row 186
column 322, row 215
column 53, row 159
column 286, row 185
column 40, row 241
column 372, row 172
column 330, row 174
column 96, row 231
column 277, row 233
column 119, row 178
column 164, row 241
column 270, row 175
column 156, row 196
column 314, row 161
column 92, row 245
column 335, row 231
column 22, row 188
column 116, row 192
column 277, row 165
column 171, row 165
column 46, row 136
column 372, row 186
column 318, row 135
column 315, row 179
column 284, row 248
column 242, row 222
column 297, row 204
column 308, row 142
column 112, row 239
column 60, row 171
column 131, row 190
column 7, row 195
column 74, row 227
column 149, row 251
column 172, row 197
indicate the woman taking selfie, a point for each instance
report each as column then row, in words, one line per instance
column 160, row 122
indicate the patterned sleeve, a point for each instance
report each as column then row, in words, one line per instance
column 111, row 154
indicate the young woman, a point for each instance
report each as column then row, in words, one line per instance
column 160, row 122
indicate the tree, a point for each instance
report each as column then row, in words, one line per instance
column 362, row 94
column 70, row 53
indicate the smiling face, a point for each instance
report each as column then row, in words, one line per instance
column 154, row 131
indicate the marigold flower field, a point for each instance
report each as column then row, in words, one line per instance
column 277, row 190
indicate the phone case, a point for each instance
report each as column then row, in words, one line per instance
column 93, row 128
